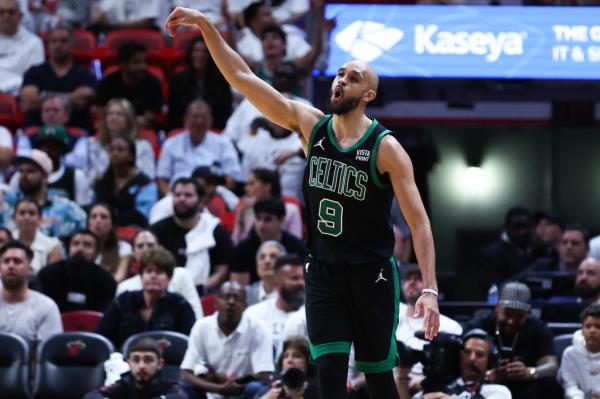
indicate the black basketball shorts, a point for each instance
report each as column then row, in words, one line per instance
column 357, row 304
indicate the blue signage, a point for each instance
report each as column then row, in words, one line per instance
column 468, row 41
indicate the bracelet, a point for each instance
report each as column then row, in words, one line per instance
column 429, row 291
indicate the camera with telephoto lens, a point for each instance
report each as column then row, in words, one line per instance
column 440, row 359
column 294, row 379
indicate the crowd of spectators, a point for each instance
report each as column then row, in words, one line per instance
column 137, row 188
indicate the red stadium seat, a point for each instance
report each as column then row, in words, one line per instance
column 10, row 116
column 150, row 135
column 208, row 304
column 80, row 320
column 158, row 52
column 127, row 233
column 85, row 48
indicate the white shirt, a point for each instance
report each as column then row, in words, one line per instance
column 17, row 54
column 250, row 46
column 408, row 326
column 130, row 10
column 247, row 350
column 181, row 283
column 579, row 372
column 274, row 317
column 124, row 249
column 6, row 139
column 282, row 13
column 295, row 324
column 41, row 246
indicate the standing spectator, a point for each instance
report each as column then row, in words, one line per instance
column 59, row 74
column 45, row 249
column 145, row 378
column 19, row 49
column 527, row 363
column 269, row 214
column 263, row 184
column 580, row 365
column 116, row 14
column 24, row 312
column 134, row 83
column 114, row 253
column 225, row 346
column 152, row 308
column 266, row 288
column 197, row 146
column 587, row 282
column 195, row 237
column 181, row 283
column 201, row 79
column 77, row 283
column 126, row 189
column 61, row 217
column 65, row 181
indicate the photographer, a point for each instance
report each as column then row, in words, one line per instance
column 527, row 364
column 475, row 358
column 296, row 379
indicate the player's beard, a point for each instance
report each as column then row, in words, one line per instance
column 344, row 106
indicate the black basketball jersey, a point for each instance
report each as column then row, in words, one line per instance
column 347, row 200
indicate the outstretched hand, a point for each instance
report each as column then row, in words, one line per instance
column 427, row 307
column 181, row 16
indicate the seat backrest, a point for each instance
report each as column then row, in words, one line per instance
column 208, row 304
column 69, row 365
column 172, row 344
column 562, row 342
column 152, row 39
column 80, row 320
column 14, row 366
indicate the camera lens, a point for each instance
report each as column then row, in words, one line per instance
column 293, row 378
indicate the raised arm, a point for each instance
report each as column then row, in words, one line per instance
column 286, row 113
column 392, row 159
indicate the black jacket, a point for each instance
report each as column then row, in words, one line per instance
column 159, row 388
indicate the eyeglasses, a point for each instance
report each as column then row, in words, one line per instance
column 10, row 11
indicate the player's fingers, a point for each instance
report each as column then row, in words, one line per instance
column 419, row 310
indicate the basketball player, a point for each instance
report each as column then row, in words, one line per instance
column 354, row 168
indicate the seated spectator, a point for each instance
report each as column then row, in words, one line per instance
column 5, row 236
column 269, row 215
column 65, row 181
column 145, row 378
column 266, row 288
column 20, row 48
column 527, row 363
column 6, row 154
column 92, row 154
column 572, row 250
column 59, row 74
column 257, row 16
column 580, row 365
column 55, row 110
column 295, row 355
column 114, row 253
column 181, row 283
column 197, row 146
column 61, row 217
column 134, row 83
column 152, row 308
column 275, row 311
column 116, row 14
column 200, row 80
column 475, row 359
column 548, row 233
column 24, row 312
column 285, row 11
column 412, row 286
column 77, row 283
column 402, row 245
column 263, row 184
column 220, row 201
column 587, row 282
column 45, row 249
column 124, row 187
column 511, row 253
column 226, row 346
column 195, row 237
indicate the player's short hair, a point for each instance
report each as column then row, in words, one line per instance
column 145, row 345
column 128, row 50
column 270, row 206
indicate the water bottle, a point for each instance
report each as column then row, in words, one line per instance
column 97, row 69
column 492, row 297
column 114, row 367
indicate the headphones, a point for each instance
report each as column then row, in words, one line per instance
column 481, row 334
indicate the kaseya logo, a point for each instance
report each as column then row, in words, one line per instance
column 367, row 40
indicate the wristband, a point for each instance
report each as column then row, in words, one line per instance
column 429, row 291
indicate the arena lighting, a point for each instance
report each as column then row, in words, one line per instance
column 477, row 184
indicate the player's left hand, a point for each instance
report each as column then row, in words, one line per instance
column 427, row 307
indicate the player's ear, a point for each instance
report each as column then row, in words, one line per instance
column 369, row 95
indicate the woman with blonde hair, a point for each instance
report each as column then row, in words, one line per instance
column 118, row 120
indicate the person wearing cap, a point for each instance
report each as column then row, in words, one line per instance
column 412, row 286
column 61, row 217
column 64, row 180
column 527, row 363
column 476, row 357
